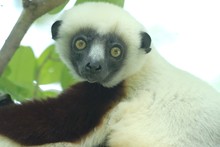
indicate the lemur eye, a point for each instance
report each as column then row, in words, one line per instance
column 80, row 44
column 115, row 52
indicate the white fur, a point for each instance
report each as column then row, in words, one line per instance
column 97, row 52
column 169, row 109
column 5, row 142
column 163, row 107
column 105, row 18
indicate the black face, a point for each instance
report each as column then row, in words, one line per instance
column 96, row 57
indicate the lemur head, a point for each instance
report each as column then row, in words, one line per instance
column 100, row 42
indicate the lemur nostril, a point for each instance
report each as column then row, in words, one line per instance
column 99, row 68
column 93, row 67
column 88, row 67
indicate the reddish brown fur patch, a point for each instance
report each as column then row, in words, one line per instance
column 69, row 117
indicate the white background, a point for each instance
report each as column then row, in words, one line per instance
column 185, row 32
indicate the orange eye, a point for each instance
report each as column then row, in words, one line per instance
column 115, row 52
column 80, row 44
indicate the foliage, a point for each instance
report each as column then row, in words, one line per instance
column 25, row 73
column 59, row 8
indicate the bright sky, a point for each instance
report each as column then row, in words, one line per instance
column 185, row 32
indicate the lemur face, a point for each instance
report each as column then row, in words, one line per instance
column 96, row 57
column 101, row 43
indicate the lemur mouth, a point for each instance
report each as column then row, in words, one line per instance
column 92, row 78
column 95, row 78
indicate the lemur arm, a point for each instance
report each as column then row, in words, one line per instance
column 68, row 117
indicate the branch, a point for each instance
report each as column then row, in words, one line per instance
column 33, row 9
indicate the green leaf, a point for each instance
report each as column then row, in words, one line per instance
column 17, row 92
column 44, row 56
column 21, row 69
column 50, row 93
column 40, row 95
column 49, row 67
column 59, row 8
column 66, row 78
column 116, row 2
column 7, row 71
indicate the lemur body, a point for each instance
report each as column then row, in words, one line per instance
column 129, row 95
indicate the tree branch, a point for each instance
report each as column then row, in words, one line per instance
column 33, row 9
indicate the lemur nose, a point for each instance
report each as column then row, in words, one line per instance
column 93, row 67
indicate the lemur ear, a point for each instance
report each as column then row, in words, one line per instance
column 145, row 42
column 55, row 29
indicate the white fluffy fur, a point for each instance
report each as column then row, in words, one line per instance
column 164, row 106
column 167, row 107
column 105, row 18
column 97, row 53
